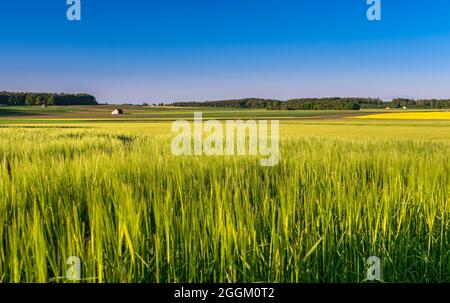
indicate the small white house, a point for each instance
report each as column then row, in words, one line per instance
column 117, row 112
column 404, row 107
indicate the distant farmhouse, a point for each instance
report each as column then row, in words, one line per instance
column 117, row 112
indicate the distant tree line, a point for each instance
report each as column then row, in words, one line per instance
column 320, row 103
column 421, row 103
column 330, row 104
column 8, row 98
column 234, row 103
column 293, row 104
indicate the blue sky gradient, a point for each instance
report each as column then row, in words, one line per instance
column 160, row 50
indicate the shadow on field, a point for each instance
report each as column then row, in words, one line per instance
column 7, row 112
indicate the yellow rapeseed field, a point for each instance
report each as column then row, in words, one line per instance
column 410, row 116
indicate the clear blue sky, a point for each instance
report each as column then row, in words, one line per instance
column 161, row 50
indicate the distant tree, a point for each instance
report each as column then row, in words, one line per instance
column 4, row 98
column 29, row 99
column 356, row 106
column 51, row 100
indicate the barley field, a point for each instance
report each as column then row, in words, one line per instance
column 114, row 196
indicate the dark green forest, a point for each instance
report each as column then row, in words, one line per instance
column 9, row 98
column 235, row 103
column 330, row 104
column 320, row 103
column 421, row 103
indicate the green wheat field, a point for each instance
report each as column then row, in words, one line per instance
column 77, row 182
